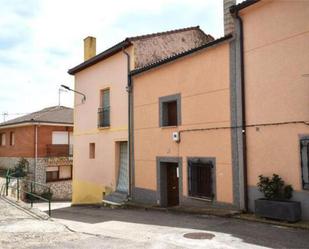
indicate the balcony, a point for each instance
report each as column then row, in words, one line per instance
column 104, row 117
column 59, row 150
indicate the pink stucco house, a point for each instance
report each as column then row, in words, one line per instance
column 205, row 121
column 101, row 124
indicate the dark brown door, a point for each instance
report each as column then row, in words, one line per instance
column 172, row 184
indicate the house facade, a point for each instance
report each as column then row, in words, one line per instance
column 179, row 159
column 45, row 139
column 276, row 67
column 206, row 121
column 209, row 121
column 101, row 141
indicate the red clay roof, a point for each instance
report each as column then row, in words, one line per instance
column 52, row 115
column 124, row 44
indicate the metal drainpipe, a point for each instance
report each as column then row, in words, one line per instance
column 234, row 12
column 35, row 152
column 129, row 90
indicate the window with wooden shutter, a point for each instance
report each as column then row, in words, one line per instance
column 170, row 110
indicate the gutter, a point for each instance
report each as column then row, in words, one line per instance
column 105, row 54
column 26, row 123
column 130, row 142
column 235, row 13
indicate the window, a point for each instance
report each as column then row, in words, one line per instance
column 92, row 150
column 12, row 138
column 201, row 180
column 2, row 139
column 170, row 110
column 60, row 137
column 52, row 176
column 58, row 173
column 104, row 110
column 304, row 149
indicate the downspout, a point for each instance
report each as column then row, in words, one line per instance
column 129, row 90
column 235, row 13
column 35, row 151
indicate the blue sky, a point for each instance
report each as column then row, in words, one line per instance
column 41, row 39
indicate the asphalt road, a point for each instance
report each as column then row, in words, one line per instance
column 136, row 228
column 90, row 227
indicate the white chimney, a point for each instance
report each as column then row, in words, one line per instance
column 228, row 19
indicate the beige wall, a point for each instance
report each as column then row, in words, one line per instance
column 202, row 79
column 276, row 44
column 92, row 177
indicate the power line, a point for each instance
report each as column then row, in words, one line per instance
column 247, row 126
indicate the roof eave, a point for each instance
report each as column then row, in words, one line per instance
column 27, row 123
column 105, row 54
column 243, row 5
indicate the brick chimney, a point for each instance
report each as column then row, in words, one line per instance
column 89, row 47
column 228, row 19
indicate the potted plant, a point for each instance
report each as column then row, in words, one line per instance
column 276, row 203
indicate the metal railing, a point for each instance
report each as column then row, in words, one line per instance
column 32, row 192
column 104, row 117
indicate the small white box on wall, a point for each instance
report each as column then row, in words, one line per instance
column 176, row 136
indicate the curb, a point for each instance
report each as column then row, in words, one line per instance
column 34, row 212
column 304, row 225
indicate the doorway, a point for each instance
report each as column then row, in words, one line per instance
column 169, row 181
column 172, row 184
column 123, row 173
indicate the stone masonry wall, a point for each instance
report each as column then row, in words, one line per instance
column 62, row 190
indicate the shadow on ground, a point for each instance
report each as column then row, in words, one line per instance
column 249, row 232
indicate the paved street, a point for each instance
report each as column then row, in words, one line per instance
column 135, row 228
column 91, row 227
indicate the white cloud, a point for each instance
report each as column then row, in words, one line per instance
column 41, row 41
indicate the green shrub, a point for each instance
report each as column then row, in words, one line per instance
column 274, row 188
column 21, row 168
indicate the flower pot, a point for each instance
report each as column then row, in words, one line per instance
column 280, row 210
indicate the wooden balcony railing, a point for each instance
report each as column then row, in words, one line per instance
column 58, row 150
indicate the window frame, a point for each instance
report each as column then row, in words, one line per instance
column 305, row 183
column 12, row 138
column 162, row 105
column 102, row 109
column 202, row 160
column 2, row 134
column 92, row 151
column 58, row 174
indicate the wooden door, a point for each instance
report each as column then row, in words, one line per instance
column 172, row 184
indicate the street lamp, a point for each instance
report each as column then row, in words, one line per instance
column 69, row 89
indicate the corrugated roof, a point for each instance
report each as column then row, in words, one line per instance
column 53, row 115
column 124, row 44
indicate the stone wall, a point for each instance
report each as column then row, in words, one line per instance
column 10, row 162
column 62, row 190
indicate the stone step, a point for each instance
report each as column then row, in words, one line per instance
column 116, row 197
